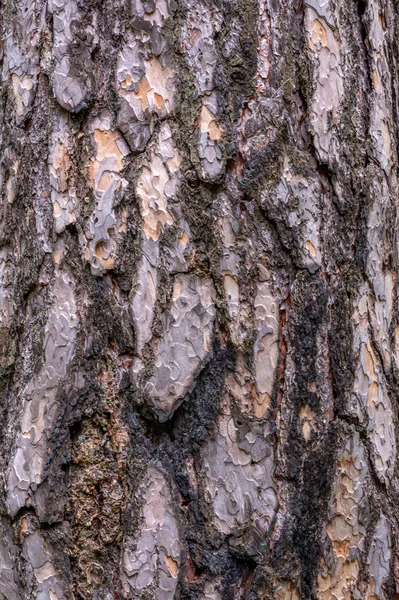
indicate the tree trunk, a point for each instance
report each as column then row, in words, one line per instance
column 199, row 299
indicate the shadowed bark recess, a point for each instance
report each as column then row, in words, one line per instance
column 199, row 330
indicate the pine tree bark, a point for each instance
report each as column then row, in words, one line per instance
column 199, row 299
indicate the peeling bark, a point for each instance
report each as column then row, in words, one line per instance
column 199, row 325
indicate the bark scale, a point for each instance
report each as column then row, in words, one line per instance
column 199, row 299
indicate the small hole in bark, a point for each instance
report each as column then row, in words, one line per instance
column 74, row 430
column 361, row 7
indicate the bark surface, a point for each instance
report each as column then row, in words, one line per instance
column 199, row 327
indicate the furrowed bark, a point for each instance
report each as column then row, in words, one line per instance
column 198, row 300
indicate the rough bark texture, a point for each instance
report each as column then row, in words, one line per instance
column 199, row 299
